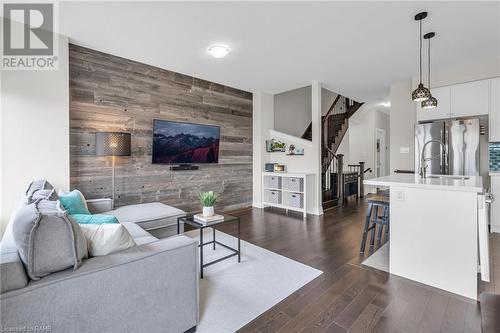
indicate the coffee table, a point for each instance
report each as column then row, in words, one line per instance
column 189, row 219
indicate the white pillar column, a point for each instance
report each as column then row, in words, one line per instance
column 316, row 142
column 263, row 121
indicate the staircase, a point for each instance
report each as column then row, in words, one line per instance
column 334, row 125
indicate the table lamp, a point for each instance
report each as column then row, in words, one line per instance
column 112, row 144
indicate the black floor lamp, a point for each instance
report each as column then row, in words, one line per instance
column 112, row 144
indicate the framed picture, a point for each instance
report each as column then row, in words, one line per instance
column 293, row 151
column 274, row 145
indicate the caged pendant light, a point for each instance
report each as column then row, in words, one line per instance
column 421, row 93
column 432, row 102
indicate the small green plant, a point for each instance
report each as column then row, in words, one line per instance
column 207, row 199
column 277, row 145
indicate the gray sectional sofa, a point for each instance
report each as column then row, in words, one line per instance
column 152, row 287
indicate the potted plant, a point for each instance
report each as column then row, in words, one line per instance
column 208, row 200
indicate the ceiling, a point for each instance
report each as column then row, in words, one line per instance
column 355, row 48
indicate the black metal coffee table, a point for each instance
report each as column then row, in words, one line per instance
column 227, row 219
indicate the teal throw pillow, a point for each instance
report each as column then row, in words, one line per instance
column 74, row 202
column 94, row 219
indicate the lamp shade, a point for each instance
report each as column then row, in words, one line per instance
column 420, row 94
column 430, row 103
column 112, row 144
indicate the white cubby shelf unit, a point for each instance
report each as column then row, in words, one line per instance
column 290, row 191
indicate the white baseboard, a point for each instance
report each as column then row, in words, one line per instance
column 257, row 205
column 316, row 211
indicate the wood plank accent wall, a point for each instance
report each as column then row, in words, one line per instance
column 109, row 93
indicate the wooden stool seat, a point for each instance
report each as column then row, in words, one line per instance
column 375, row 198
column 374, row 203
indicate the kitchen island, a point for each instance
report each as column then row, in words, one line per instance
column 434, row 230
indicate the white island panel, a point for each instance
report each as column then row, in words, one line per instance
column 433, row 237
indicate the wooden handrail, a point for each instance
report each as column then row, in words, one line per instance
column 330, row 151
column 331, row 107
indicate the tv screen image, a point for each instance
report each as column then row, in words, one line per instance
column 184, row 143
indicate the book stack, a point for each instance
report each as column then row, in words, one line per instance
column 207, row 220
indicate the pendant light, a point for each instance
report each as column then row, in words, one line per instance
column 421, row 93
column 432, row 101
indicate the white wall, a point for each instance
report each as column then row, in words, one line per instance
column 263, row 121
column 34, row 130
column 477, row 70
column 382, row 121
column 361, row 142
column 299, row 164
column 327, row 98
column 402, row 123
column 292, row 109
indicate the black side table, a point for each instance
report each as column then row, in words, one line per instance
column 227, row 219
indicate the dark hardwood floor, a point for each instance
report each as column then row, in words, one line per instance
column 347, row 296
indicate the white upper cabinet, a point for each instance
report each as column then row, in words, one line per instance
column 470, row 99
column 463, row 100
column 495, row 111
column 442, row 110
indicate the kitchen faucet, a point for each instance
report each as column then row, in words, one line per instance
column 423, row 160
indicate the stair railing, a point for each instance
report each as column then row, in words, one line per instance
column 332, row 107
column 334, row 163
column 340, row 178
column 360, row 169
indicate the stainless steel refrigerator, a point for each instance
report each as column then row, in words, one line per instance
column 461, row 138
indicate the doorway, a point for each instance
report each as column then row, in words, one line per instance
column 380, row 150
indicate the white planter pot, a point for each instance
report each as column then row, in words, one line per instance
column 208, row 211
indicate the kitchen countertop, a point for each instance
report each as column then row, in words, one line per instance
column 495, row 173
column 473, row 184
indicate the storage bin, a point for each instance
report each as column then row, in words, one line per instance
column 271, row 196
column 272, row 182
column 295, row 184
column 295, row 200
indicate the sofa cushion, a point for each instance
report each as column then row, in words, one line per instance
column 12, row 273
column 148, row 215
column 74, row 202
column 47, row 240
column 40, row 189
column 94, row 219
column 104, row 239
column 139, row 235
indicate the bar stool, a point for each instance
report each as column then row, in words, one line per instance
column 374, row 203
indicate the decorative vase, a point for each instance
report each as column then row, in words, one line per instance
column 208, row 211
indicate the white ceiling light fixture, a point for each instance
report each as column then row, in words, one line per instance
column 219, row 50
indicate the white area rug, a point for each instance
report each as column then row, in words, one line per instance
column 232, row 294
column 379, row 259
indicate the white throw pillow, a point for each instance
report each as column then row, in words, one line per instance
column 103, row 239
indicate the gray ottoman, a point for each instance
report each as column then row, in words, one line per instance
column 157, row 218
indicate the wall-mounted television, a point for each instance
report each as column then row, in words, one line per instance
column 185, row 143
